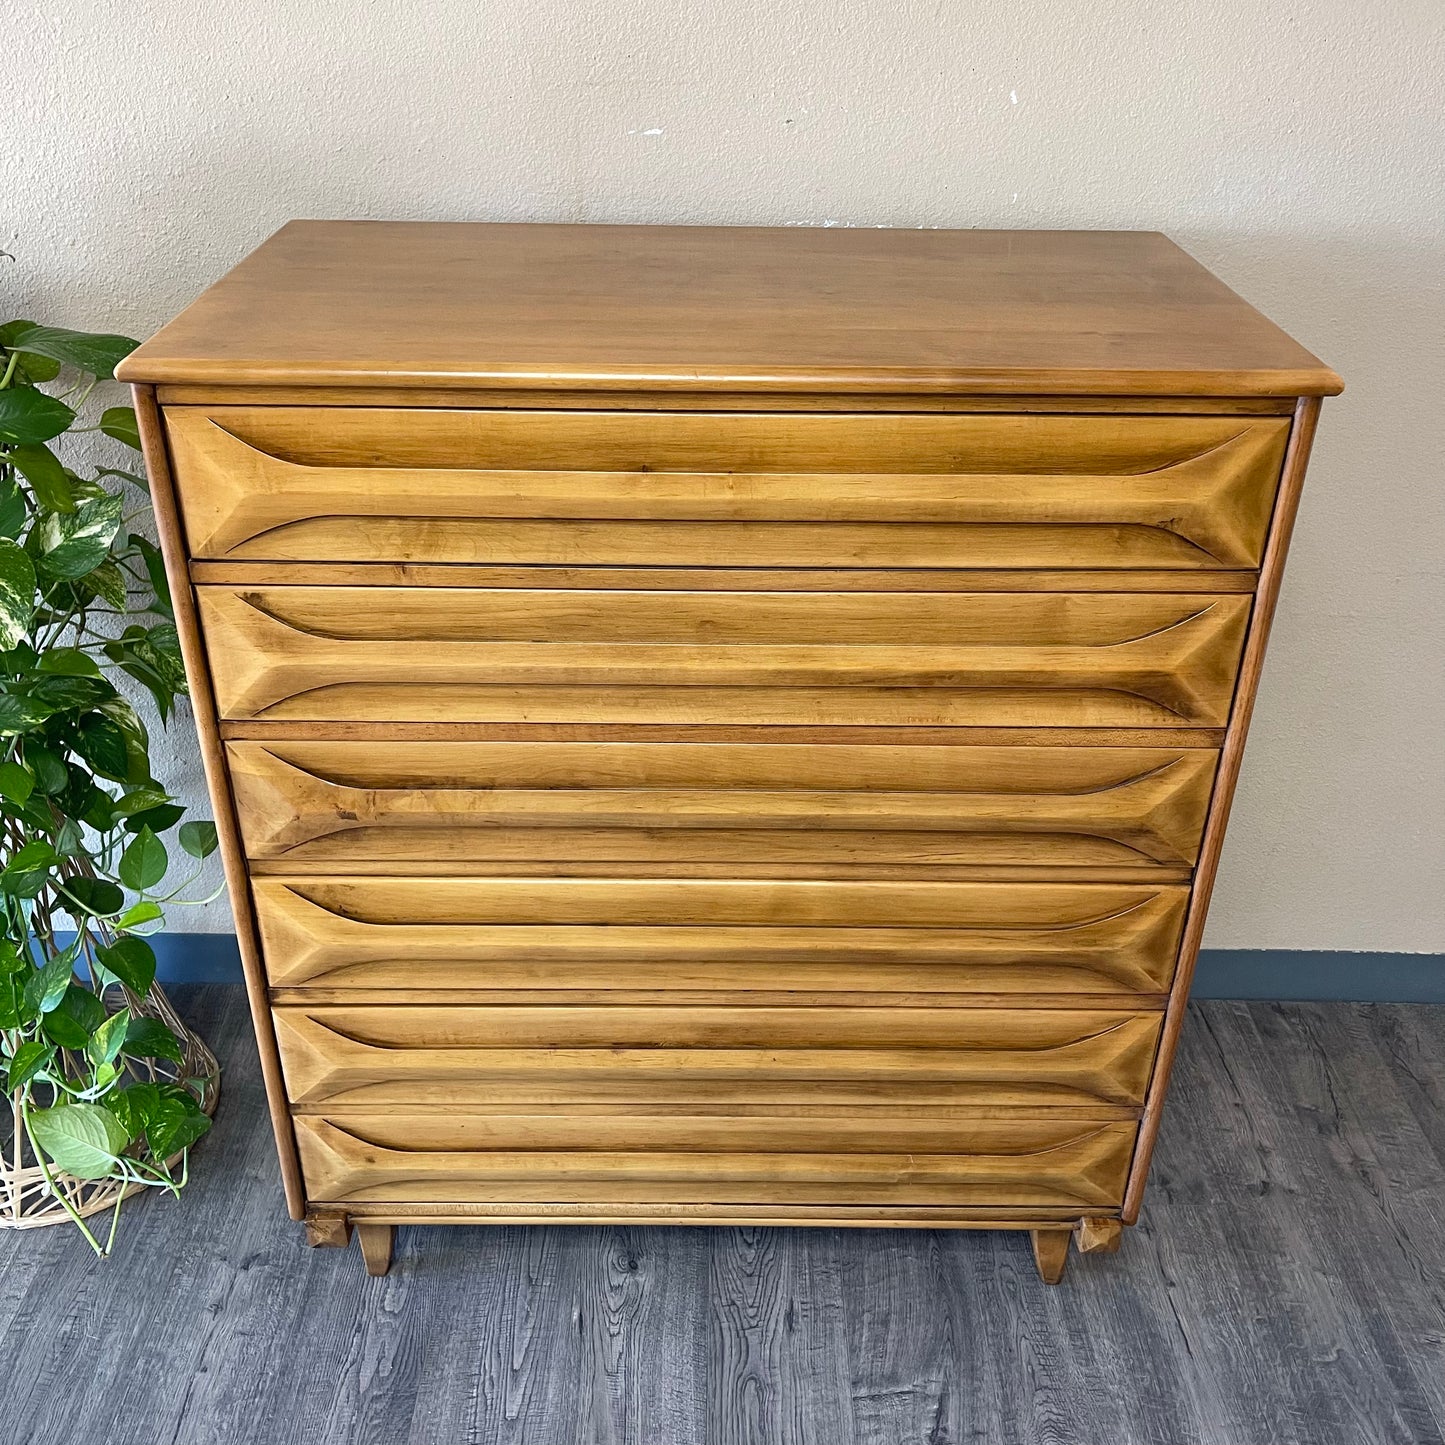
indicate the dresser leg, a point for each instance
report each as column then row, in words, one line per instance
column 1098, row 1236
column 329, row 1231
column 1051, row 1252
column 376, row 1242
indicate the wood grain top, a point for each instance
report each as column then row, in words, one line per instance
column 681, row 308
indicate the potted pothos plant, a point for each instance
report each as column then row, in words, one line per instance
column 107, row 1088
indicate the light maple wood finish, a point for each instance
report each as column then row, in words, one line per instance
column 466, row 398
column 441, row 654
column 1051, row 1253
column 1095, row 1235
column 664, row 934
column 278, row 483
column 721, row 579
column 461, row 804
column 722, row 719
column 613, row 1212
column 327, row 1231
column 947, row 737
column 233, row 858
column 367, row 1056
column 1271, row 578
column 453, row 1157
column 376, row 1241
column 732, row 309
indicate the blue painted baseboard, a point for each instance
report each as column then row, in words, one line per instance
column 1316, row 974
column 1222, row 973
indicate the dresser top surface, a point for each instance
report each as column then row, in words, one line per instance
column 693, row 308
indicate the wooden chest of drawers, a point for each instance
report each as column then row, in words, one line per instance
column 721, row 725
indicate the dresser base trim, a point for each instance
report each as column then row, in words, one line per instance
column 1050, row 1231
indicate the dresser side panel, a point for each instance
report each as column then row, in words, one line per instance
column 1246, row 689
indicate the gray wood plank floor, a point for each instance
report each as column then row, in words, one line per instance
column 1284, row 1288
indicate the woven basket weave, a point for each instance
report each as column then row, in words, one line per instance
column 25, row 1201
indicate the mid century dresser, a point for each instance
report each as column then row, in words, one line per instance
column 721, row 725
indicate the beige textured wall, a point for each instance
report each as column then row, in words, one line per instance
column 1299, row 150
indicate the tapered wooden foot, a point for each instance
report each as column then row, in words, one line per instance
column 1051, row 1253
column 1098, row 1236
column 328, row 1231
column 376, row 1242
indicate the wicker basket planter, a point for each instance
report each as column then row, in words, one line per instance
column 25, row 1201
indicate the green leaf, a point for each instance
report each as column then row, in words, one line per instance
column 140, row 800
column 48, row 767
column 108, row 583
column 35, row 854
column 17, row 593
column 148, row 1038
column 30, row 1059
column 137, row 741
column 12, row 961
column 162, row 693
column 13, row 511
column 119, row 422
column 145, row 911
column 15, row 1012
column 34, row 368
column 96, row 355
column 42, row 469
column 198, row 839
column 82, row 1139
column 102, row 744
column 20, row 714
column 38, row 369
column 82, row 538
column 46, row 986
column 16, row 782
column 153, row 657
column 96, row 896
column 97, row 811
column 67, row 694
column 105, row 1042
column 69, row 662
column 86, row 489
column 132, row 961
column 160, row 647
column 156, row 571
column 18, row 660
column 29, row 867
column 156, row 819
column 74, row 1019
column 69, row 842
column 144, row 862
column 176, row 1124
column 135, row 1106
column 28, row 416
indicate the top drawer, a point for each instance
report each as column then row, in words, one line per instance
column 329, row 484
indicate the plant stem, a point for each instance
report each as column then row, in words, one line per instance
column 50, row 1184
column 114, row 1221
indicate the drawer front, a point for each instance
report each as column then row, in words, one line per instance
column 502, row 655
column 333, row 804
column 452, row 1156
column 361, row 484
column 361, row 1056
column 689, row 934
